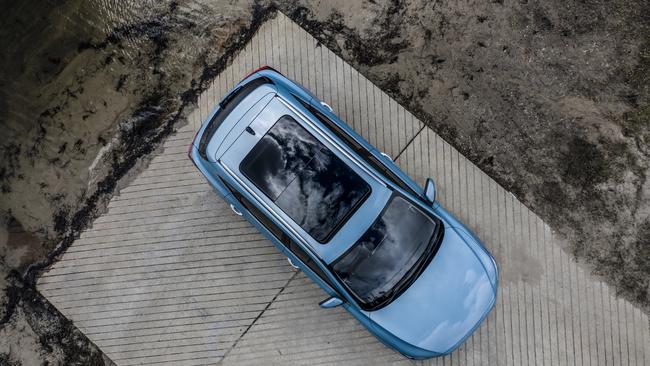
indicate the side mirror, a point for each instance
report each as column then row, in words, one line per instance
column 430, row 191
column 331, row 302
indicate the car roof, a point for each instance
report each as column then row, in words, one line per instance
column 260, row 113
column 304, row 178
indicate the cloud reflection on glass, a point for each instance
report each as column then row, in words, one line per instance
column 304, row 178
column 387, row 251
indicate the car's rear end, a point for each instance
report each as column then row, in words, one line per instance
column 234, row 101
column 228, row 120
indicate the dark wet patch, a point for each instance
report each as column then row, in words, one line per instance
column 61, row 221
column 542, row 21
column 637, row 122
column 10, row 154
column 155, row 118
column 390, row 84
column 63, row 147
column 629, row 264
column 56, row 334
column 553, row 193
column 13, row 294
column 381, row 47
column 585, row 165
column 22, row 241
column 259, row 15
column 120, row 82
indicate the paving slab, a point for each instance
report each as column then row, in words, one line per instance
column 170, row 276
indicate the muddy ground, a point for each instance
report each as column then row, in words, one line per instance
column 89, row 90
column 552, row 99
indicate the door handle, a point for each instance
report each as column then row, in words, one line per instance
column 327, row 106
column 292, row 265
column 232, row 207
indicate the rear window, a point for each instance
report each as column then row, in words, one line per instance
column 226, row 106
column 304, row 179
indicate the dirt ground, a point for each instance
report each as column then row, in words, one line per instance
column 552, row 99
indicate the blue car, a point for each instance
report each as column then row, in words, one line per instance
column 344, row 214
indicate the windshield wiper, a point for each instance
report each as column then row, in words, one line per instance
column 417, row 269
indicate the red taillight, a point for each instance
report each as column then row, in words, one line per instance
column 189, row 149
column 266, row 67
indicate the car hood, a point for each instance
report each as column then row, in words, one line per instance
column 444, row 305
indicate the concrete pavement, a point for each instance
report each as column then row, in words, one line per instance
column 169, row 275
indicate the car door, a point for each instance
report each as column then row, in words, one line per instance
column 315, row 272
column 243, row 207
column 287, row 245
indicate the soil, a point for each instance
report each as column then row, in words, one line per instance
column 38, row 334
column 551, row 99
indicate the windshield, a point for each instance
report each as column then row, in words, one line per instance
column 381, row 261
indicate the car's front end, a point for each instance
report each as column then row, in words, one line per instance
column 424, row 282
column 449, row 300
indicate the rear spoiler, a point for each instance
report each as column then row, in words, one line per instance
column 226, row 106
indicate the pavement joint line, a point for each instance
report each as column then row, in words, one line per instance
column 258, row 317
column 409, row 142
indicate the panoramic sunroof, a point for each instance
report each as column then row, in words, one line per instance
column 304, row 178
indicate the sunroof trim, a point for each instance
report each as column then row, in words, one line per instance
column 305, row 179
